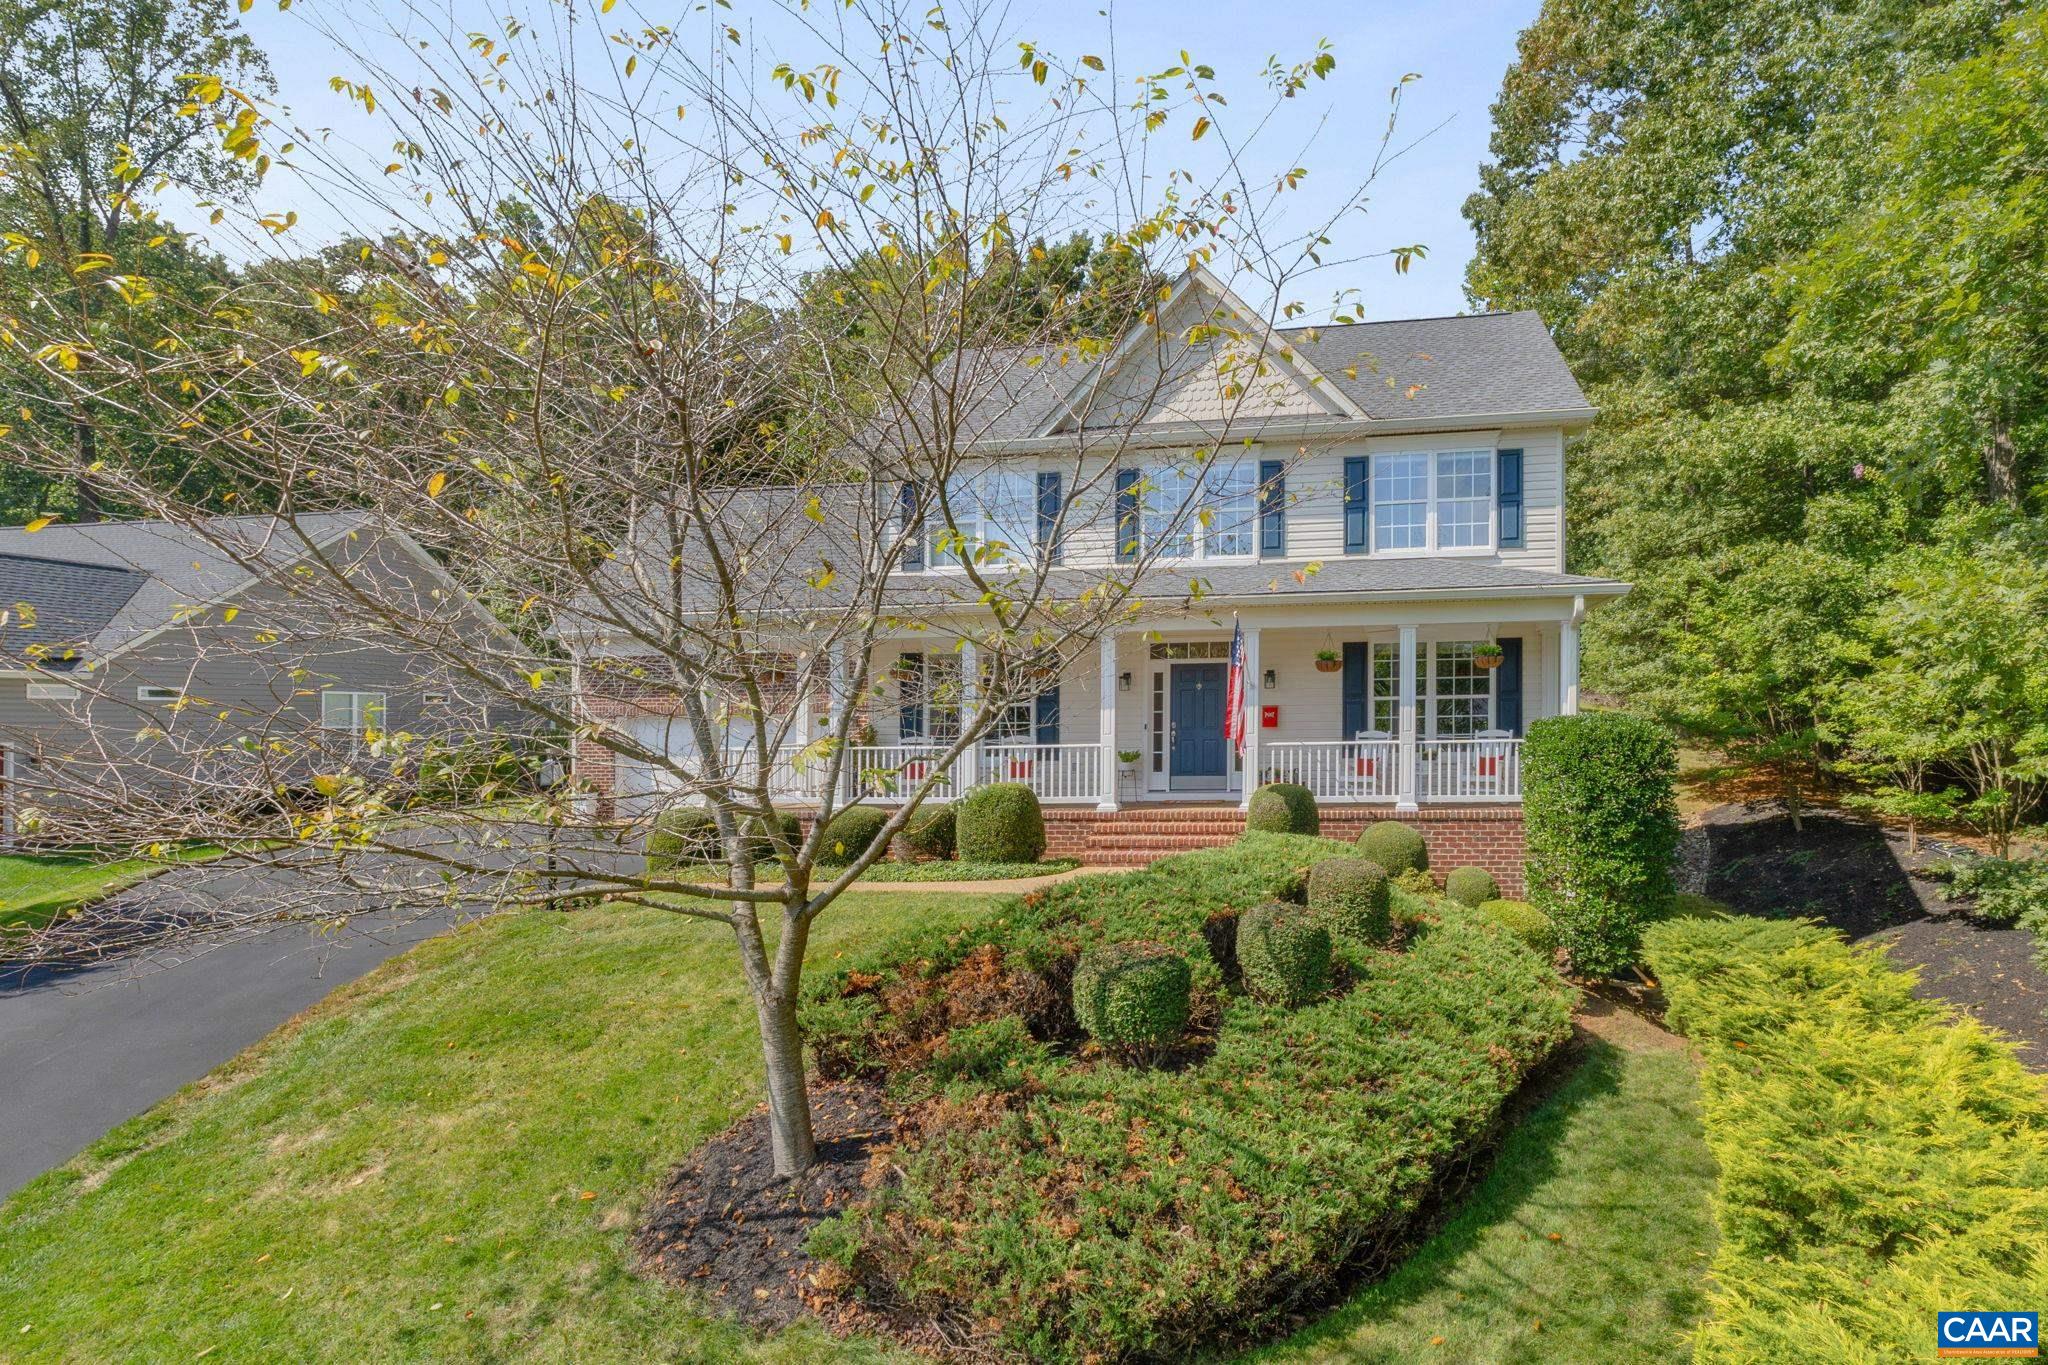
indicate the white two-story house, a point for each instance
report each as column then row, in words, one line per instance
column 1383, row 518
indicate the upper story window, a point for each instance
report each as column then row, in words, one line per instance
column 1442, row 500
column 996, row 513
column 1200, row 514
column 355, row 712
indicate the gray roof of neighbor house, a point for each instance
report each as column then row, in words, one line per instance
column 1480, row 365
column 52, row 609
column 109, row 581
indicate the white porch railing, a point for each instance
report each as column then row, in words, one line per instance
column 1468, row 770
column 1338, row 769
column 1055, row 772
column 1370, row 769
column 887, row 772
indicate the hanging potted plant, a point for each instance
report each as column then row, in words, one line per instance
column 1328, row 661
column 1488, row 654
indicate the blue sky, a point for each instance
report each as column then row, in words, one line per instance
column 1459, row 52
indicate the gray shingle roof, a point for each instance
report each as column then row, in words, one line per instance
column 172, row 566
column 1479, row 365
column 54, row 607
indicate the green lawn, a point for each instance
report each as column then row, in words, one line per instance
column 35, row 889
column 445, row 1162
column 1593, row 1223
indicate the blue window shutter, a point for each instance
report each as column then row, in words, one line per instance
column 1507, row 695
column 1357, row 505
column 1509, row 485
column 1357, row 677
column 913, row 529
column 910, row 715
column 1272, row 509
column 1126, row 514
column 1049, row 514
column 1049, row 715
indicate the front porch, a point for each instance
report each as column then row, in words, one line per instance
column 1388, row 712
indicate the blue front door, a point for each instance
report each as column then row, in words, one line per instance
column 1201, row 757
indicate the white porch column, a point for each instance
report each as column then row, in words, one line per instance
column 839, row 700
column 1106, row 704
column 1404, row 794
column 1251, row 717
column 967, row 771
column 1568, row 659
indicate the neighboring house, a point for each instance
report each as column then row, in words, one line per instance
column 142, row 662
column 1390, row 496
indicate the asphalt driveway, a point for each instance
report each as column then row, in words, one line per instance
column 83, row 1051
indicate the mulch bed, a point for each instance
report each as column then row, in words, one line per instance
column 1857, row 876
column 728, row 1227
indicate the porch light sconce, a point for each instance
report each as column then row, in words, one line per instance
column 1269, row 680
column 1123, row 682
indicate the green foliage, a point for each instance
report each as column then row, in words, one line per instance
column 1001, row 823
column 1601, row 825
column 1283, row 808
column 850, row 834
column 1351, row 898
column 1396, row 847
column 1132, row 995
column 2004, row 890
column 1069, row 1224
column 930, row 833
column 1284, row 954
column 1525, row 922
column 682, row 835
column 762, row 845
column 957, row 871
column 1881, row 1159
column 1471, row 885
column 999, row 1053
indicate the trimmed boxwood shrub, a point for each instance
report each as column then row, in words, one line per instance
column 1284, row 955
column 990, row 1219
column 850, row 834
column 1132, row 995
column 1283, row 808
column 930, row 834
column 1601, row 824
column 1396, row 847
column 1881, row 1157
column 1471, row 886
column 682, row 835
column 762, row 846
column 1350, row 897
column 1526, row 923
column 1000, row 823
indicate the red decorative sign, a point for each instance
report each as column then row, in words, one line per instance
column 1269, row 717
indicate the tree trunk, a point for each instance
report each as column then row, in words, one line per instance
column 789, row 1097
column 2002, row 464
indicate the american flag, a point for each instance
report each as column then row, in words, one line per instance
column 1233, row 696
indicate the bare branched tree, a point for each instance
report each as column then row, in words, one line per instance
column 653, row 388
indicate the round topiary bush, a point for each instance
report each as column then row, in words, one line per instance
column 1396, row 847
column 930, row 834
column 1000, row 824
column 1350, row 897
column 1471, row 886
column 762, row 845
column 682, row 835
column 850, row 834
column 1525, row 922
column 1132, row 995
column 1283, row 953
column 1283, row 808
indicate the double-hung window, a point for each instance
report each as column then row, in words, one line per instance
column 996, row 513
column 1453, row 695
column 1442, row 500
column 1195, row 513
column 355, row 712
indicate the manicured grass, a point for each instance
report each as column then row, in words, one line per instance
column 444, row 1162
column 966, row 872
column 1615, row 1167
column 36, row 888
